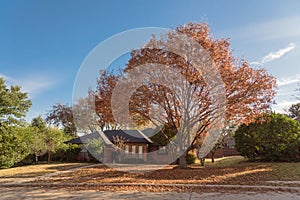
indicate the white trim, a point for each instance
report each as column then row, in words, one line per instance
column 148, row 139
column 105, row 139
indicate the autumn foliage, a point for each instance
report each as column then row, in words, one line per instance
column 249, row 91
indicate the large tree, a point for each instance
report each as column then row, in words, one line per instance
column 14, row 105
column 249, row 91
column 45, row 139
column 38, row 129
column 187, row 103
column 105, row 84
column 53, row 139
column 62, row 115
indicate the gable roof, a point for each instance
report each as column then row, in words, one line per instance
column 148, row 132
column 131, row 136
column 83, row 139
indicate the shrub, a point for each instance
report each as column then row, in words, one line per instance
column 190, row 158
column 69, row 154
column 272, row 137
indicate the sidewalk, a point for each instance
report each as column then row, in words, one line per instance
column 38, row 193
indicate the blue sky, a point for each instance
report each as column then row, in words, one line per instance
column 43, row 43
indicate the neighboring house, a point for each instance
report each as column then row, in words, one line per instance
column 228, row 149
column 136, row 144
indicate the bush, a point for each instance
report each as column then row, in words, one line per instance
column 29, row 160
column 190, row 158
column 272, row 137
column 69, row 154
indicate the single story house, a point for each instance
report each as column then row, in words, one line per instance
column 136, row 144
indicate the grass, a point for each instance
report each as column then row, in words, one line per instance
column 231, row 170
column 30, row 171
column 284, row 171
column 224, row 171
column 225, row 161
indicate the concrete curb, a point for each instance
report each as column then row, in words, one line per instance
column 296, row 188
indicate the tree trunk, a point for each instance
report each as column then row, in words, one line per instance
column 49, row 156
column 182, row 160
column 36, row 158
column 202, row 161
column 213, row 156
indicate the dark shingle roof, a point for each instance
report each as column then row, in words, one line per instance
column 131, row 136
column 83, row 139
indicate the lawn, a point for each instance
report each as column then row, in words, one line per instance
column 225, row 171
column 230, row 170
column 233, row 170
column 31, row 171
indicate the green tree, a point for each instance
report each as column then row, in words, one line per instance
column 14, row 145
column 165, row 135
column 272, row 137
column 53, row 140
column 46, row 139
column 294, row 112
column 95, row 148
column 14, row 105
column 38, row 128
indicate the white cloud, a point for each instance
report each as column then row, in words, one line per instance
column 33, row 85
column 288, row 80
column 285, row 96
column 278, row 54
column 275, row 55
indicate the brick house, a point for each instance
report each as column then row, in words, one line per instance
column 136, row 144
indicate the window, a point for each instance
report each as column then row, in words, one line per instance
column 133, row 149
column 127, row 148
column 141, row 152
column 162, row 149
